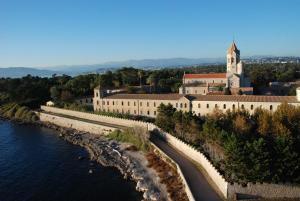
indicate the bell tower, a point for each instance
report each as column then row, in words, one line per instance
column 233, row 58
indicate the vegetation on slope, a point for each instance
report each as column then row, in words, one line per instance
column 263, row 147
column 135, row 136
column 16, row 112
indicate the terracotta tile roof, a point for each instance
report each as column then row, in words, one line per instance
column 208, row 75
column 246, row 98
column 171, row 96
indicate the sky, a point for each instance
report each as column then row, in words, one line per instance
column 45, row 33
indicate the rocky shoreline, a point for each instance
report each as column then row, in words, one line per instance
column 113, row 154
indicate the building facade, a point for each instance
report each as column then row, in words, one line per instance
column 147, row 104
column 234, row 77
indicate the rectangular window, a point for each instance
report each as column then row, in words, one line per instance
column 97, row 102
column 148, row 113
column 128, row 103
column 147, row 104
column 141, row 104
column 154, row 112
column 176, row 104
column 199, row 106
column 134, row 103
column 207, row 105
column 154, row 104
column 107, row 102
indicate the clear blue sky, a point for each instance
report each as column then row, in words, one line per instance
column 58, row 32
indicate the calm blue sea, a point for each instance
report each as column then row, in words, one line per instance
column 36, row 165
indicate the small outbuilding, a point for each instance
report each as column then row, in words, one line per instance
column 49, row 103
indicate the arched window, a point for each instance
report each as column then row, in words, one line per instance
column 251, row 107
column 199, row 106
column 233, row 106
column 271, row 107
column 224, row 106
column 180, row 105
column 216, row 105
column 122, row 103
column 185, row 105
column 113, row 102
column 207, row 105
column 243, row 107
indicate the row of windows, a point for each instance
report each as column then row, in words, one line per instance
column 184, row 105
column 233, row 106
column 129, row 112
column 86, row 101
column 181, row 105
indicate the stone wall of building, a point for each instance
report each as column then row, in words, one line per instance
column 75, row 124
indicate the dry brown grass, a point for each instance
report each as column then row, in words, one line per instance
column 168, row 176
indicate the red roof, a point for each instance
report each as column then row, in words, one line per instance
column 208, row 75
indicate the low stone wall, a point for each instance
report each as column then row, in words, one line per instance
column 168, row 160
column 263, row 190
column 75, row 124
column 198, row 157
column 96, row 117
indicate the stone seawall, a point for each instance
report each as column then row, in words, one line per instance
column 96, row 117
column 75, row 124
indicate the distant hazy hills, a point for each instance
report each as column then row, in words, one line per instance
column 144, row 64
column 14, row 72
column 82, row 69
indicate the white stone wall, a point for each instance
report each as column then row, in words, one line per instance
column 265, row 190
column 168, row 159
column 75, row 124
column 95, row 117
column 198, row 157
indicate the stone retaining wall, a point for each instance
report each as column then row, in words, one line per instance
column 198, row 157
column 96, row 117
column 168, row 160
column 263, row 190
column 75, row 124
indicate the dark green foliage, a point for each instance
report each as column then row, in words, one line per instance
column 263, row 147
column 16, row 112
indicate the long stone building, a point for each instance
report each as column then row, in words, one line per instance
column 146, row 104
